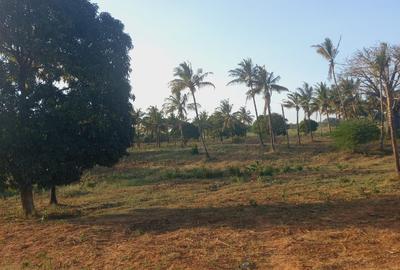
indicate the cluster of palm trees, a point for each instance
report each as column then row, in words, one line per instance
column 168, row 124
column 366, row 86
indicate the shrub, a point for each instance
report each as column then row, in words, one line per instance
column 306, row 125
column 352, row 133
column 194, row 150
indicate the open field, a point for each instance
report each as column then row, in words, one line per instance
column 312, row 207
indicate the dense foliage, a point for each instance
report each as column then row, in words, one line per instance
column 64, row 92
column 352, row 133
column 307, row 126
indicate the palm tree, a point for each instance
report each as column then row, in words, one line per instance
column 266, row 83
column 245, row 74
column 225, row 111
column 138, row 116
column 244, row 117
column 328, row 51
column 350, row 88
column 294, row 101
column 176, row 103
column 322, row 101
column 187, row 79
column 306, row 96
column 154, row 121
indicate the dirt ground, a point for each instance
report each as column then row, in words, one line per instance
column 336, row 211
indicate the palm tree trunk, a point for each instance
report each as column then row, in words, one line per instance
column 338, row 92
column 329, row 122
column 298, row 127
column 393, row 135
column 182, row 137
column 200, row 127
column 382, row 135
column 320, row 122
column 271, row 131
column 286, row 129
column 258, row 122
column 309, row 127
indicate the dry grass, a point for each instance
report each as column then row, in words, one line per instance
column 321, row 209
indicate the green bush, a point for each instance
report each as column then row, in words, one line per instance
column 307, row 124
column 352, row 133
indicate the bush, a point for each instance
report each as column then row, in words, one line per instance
column 352, row 133
column 305, row 126
column 194, row 150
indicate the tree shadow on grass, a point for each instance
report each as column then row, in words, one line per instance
column 381, row 212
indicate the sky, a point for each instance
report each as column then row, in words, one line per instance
column 217, row 34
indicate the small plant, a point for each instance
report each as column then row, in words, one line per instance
column 287, row 169
column 195, row 150
column 267, row 171
column 299, row 168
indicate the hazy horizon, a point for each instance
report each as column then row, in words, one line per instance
column 216, row 36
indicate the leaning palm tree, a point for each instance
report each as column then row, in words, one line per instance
column 294, row 101
column 245, row 74
column 322, row 100
column 187, row 79
column 176, row 103
column 328, row 51
column 266, row 83
column 306, row 96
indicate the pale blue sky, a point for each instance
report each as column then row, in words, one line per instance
column 216, row 34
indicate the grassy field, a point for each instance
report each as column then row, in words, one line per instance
column 310, row 207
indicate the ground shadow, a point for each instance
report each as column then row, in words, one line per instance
column 381, row 212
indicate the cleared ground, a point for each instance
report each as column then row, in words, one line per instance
column 310, row 207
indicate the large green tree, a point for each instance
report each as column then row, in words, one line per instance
column 64, row 92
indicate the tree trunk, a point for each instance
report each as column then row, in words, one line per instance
column 27, row 200
column 338, row 92
column 258, row 122
column 53, row 196
column 286, row 129
column 329, row 122
column 298, row 127
column 393, row 135
column 320, row 123
column 382, row 129
column 200, row 127
column 271, row 131
column 182, row 137
column 309, row 128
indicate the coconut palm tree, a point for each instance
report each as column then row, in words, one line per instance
column 245, row 75
column 306, row 96
column 244, row 116
column 322, row 100
column 153, row 122
column 176, row 104
column 187, row 79
column 294, row 101
column 328, row 51
column 225, row 112
column 266, row 83
column 138, row 116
